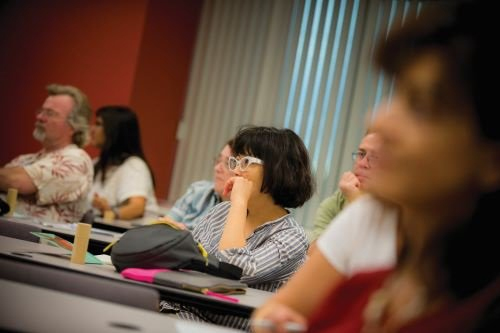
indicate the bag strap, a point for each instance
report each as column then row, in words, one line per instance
column 217, row 267
column 223, row 269
column 229, row 271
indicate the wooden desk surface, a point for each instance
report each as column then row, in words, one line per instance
column 247, row 303
column 27, row 308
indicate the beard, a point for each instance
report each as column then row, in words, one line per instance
column 39, row 133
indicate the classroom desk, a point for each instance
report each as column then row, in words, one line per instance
column 99, row 238
column 122, row 225
column 24, row 309
column 117, row 225
column 247, row 303
column 71, row 281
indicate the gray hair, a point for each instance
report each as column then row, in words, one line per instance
column 79, row 117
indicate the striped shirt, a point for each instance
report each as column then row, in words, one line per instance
column 199, row 198
column 274, row 251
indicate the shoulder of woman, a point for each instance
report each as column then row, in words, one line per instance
column 135, row 162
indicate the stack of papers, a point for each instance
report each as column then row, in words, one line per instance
column 59, row 242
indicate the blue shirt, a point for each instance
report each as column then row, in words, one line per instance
column 199, row 198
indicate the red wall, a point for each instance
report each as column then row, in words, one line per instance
column 161, row 80
column 134, row 52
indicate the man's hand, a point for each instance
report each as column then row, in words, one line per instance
column 349, row 185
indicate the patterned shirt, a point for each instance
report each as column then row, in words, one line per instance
column 62, row 178
column 272, row 254
column 195, row 203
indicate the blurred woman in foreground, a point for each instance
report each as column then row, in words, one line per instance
column 439, row 175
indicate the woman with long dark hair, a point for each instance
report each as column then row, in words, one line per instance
column 123, row 181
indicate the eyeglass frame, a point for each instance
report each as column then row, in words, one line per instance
column 362, row 155
column 251, row 160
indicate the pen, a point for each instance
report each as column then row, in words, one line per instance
column 220, row 296
column 290, row 326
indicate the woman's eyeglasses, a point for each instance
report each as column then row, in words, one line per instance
column 243, row 163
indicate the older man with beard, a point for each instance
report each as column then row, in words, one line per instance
column 53, row 183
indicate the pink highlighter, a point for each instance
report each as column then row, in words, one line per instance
column 207, row 292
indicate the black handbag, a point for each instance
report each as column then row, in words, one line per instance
column 164, row 246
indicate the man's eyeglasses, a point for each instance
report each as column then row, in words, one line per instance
column 243, row 163
column 360, row 155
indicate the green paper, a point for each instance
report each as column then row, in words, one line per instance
column 59, row 242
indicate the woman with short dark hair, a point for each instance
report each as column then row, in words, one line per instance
column 287, row 175
column 254, row 229
column 123, row 181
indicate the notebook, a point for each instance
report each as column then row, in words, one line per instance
column 186, row 280
column 198, row 282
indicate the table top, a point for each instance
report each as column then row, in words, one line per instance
column 24, row 308
column 117, row 225
column 37, row 253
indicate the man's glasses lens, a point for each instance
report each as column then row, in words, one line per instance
column 359, row 155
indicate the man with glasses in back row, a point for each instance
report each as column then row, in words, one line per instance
column 53, row 183
column 350, row 184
